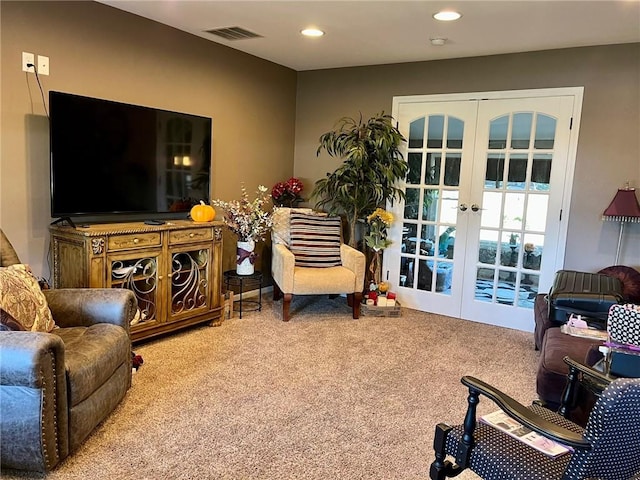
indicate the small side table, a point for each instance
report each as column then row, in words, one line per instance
column 244, row 283
column 595, row 379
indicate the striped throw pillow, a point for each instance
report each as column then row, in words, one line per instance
column 315, row 241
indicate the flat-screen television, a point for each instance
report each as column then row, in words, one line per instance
column 110, row 159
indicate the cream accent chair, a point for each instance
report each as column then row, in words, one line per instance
column 290, row 279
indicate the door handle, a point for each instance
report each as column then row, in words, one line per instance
column 475, row 207
column 463, row 207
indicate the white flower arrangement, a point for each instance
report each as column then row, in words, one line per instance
column 245, row 218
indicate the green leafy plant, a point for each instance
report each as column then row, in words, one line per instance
column 368, row 176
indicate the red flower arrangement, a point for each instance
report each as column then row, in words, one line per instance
column 287, row 194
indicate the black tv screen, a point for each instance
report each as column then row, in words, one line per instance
column 110, row 158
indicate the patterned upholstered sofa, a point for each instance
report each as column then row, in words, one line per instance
column 61, row 376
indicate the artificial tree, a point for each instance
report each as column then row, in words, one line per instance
column 368, row 176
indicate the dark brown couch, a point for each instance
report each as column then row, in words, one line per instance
column 554, row 345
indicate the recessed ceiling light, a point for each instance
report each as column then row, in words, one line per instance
column 447, row 15
column 312, row 32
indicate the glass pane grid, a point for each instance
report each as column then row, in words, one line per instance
column 512, row 224
column 431, row 204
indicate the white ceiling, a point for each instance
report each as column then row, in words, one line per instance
column 366, row 32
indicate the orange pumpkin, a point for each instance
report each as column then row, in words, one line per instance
column 202, row 212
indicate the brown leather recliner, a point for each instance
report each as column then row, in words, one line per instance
column 55, row 388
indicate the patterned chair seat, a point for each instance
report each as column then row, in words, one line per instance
column 608, row 448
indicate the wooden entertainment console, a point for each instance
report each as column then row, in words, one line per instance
column 174, row 269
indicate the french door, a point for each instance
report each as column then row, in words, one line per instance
column 482, row 229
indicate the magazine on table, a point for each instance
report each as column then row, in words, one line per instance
column 502, row 421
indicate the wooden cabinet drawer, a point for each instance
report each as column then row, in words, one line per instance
column 190, row 235
column 134, row 240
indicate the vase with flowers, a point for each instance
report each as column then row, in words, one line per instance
column 250, row 222
column 377, row 241
column 287, row 194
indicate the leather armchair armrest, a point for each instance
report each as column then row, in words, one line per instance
column 33, row 400
column 23, row 355
column 526, row 417
column 282, row 265
column 72, row 307
column 355, row 261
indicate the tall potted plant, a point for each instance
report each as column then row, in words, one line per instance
column 369, row 173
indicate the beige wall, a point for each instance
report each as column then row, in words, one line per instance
column 99, row 51
column 95, row 50
column 609, row 144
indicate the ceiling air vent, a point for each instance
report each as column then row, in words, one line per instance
column 233, row 33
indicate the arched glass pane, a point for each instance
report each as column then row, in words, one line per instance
column 545, row 131
column 436, row 131
column 452, row 169
column 432, row 172
column 517, row 175
column 455, row 133
column 416, row 133
column 521, row 132
column 414, row 160
column 498, row 132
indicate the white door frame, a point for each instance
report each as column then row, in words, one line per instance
column 575, row 92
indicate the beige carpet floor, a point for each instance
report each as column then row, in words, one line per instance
column 320, row 397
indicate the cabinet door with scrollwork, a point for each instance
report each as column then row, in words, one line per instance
column 190, row 285
column 141, row 275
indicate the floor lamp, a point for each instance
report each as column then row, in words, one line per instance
column 624, row 208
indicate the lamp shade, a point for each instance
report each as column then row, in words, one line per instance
column 624, row 207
